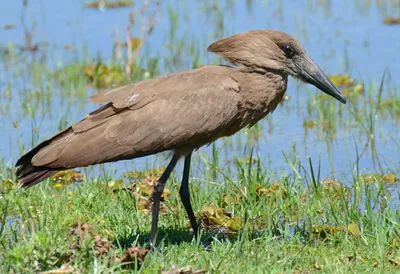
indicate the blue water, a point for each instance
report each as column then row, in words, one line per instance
column 341, row 36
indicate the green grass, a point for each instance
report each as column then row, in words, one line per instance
column 36, row 227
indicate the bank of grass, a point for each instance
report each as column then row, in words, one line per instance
column 287, row 223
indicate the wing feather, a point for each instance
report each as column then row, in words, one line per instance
column 186, row 109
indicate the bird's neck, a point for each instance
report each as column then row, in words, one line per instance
column 261, row 92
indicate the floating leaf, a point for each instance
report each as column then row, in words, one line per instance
column 357, row 90
column 275, row 191
column 66, row 177
column 135, row 43
column 245, row 160
column 329, row 183
column 389, row 178
column 248, row 161
column 334, row 189
column 108, row 4
column 157, row 171
column 341, row 80
column 391, row 21
column 104, row 76
column 8, row 26
column 323, row 231
column 97, row 74
column 310, row 124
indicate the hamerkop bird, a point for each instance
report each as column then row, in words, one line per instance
column 180, row 112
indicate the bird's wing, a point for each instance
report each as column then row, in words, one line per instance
column 186, row 109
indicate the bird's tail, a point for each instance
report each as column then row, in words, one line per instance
column 29, row 175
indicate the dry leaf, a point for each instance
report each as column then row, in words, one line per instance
column 145, row 205
column 134, row 253
column 81, row 230
column 102, row 245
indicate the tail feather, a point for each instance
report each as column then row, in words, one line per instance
column 36, row 175
column 29, row 175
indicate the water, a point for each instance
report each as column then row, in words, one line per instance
column 341, row 36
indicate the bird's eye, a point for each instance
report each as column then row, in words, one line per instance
column 288, row 50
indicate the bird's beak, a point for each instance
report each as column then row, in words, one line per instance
column 312, row 74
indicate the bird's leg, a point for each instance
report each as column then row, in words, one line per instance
column 158, row 190
column 185, row 195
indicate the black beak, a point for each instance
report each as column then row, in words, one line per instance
column 312, row 74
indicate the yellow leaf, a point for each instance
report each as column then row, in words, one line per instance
column 115, row 184
column 341, row 80
column 390, row 178
column 391, row 21
column 6, row 185
column 310, row 124
column 67, row 177
column 108, row 4
column 354, row 229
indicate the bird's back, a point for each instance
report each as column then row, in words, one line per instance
column 180, row 111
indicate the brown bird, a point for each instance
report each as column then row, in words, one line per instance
column 180, row 112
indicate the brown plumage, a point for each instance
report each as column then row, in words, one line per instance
column 180, row 112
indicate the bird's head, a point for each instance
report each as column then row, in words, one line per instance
column 269, row 50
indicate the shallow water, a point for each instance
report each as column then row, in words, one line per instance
column 346, row 37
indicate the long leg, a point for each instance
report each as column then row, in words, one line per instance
column 185, row 195
column 158, row 190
